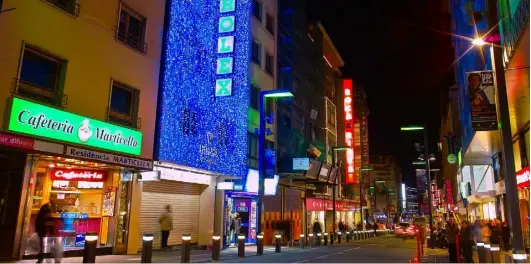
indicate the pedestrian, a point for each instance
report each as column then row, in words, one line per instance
column 506, row 236
column 452, row 232
column 466, row 241
column 485, row 231
column 476, row 231
column 495, row 232
column 316, row 227
column 166, row 225
column 44, row 226
column 237, row 222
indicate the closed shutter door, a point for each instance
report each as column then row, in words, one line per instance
column 184, row 201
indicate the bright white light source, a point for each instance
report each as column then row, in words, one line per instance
column 478, row 42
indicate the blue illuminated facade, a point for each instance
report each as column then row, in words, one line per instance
column 205, row 89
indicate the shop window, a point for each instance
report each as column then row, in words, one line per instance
column 255, row 97
column 41, row 77
column 524, row 148
column 124, row 105
column 270, row 24
column 132, row 29
column 70, row 6
column 270, row 64
column 256, row 53
column 517, row 157
column 257, row 10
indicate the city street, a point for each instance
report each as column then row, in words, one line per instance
column 381, row 249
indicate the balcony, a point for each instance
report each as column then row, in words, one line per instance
column 69, row 6
column 513, row 27
column 40, row 94
column 132, row 41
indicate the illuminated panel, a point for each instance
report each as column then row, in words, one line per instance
column 204, row 95
column 349, row 129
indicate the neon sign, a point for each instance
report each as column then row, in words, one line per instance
column 78, row 175
column 522, row 177
column 349, row 129
column 225, row 48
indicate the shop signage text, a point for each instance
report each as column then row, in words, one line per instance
column 183, row 176
column 14, row 141
column 225, row 50
column 77, row 175
column 349, row 129
column 522, row 177
column 43, row 121
column 109, row 158
column 313, row 204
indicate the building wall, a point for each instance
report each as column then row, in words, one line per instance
column 93, row 55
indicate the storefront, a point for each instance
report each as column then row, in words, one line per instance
column 522, row 179
column 322, row 211
column 186, row 192
column 88, row 190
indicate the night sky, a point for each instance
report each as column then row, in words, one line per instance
column 393, row 49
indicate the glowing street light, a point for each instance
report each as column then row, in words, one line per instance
column 478, row 42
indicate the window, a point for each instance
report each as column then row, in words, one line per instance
column 124, row 105
column 524, row 148
column 257, row 10
column 270, row 105
column 270, row 62
column 270, row 24
column 255, row 96
column 132, row 29
column 257, row 53
column 252, row 150
column 517, row 157
column 70, row 6
column 41, row 77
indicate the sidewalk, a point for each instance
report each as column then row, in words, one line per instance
column 196, row 256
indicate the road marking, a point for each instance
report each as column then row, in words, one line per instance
column 328, row 255
column 134, row 259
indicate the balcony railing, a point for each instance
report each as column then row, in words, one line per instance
column 70, row 6
column 513, row 27
column 123, row 119
column 38, row 93
column 132, row 41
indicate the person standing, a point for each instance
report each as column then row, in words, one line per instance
column 44, row 226
column 166, row 225
column 452, row 233
column 316, row 227
column 506, row 236
column 466, row 240
column 237, row 227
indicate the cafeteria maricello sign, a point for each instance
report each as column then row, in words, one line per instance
column 42, row 121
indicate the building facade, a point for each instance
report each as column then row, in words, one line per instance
column 79, row 81
column 386, row 181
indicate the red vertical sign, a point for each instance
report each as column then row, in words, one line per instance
column 349, row 129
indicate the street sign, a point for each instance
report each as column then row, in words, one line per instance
column 452, row 158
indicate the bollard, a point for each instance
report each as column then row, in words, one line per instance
column 277, row 242
column 348, row 236
column 325, row 239
column 339, row 237
column 310, row 240
column 185, row 248
column 301, row 240
column 147, row 246
column 89, row 253
column 216, row 247
column 519, row 256
column 319, row 235
column 241, row 246
column 332, row 238
column 260, row 244
column 487, row 253
column 481, row 252
column 495, row 253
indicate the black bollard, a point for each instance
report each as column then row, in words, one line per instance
column 332, row 238
column 216, row 247
column 277, row 243
column 339, row 237
column 319, row 235
column 301, row 240
column 241, row 246
column 495, row 253
column 310, row 240
column 260, row 244
column 348, row 236
column 481, row 252
column 147, row 248
column 325, row 239
column 185, row 248
column 89, row 253
column 487, row 253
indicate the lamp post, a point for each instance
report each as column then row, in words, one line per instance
column 264, row 95
column 334, row 186
column 504, row 125
column 427, row 163
column 361, row 194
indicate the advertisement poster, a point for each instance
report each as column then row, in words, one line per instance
column 482, row 100
column 109, row 197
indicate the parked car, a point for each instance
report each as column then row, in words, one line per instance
column 404, row 230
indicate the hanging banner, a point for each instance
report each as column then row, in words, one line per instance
column 482, row 102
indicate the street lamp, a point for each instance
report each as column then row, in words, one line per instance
column 427, row 163
column 264, row 95
column 504, row 126
column 361, row 194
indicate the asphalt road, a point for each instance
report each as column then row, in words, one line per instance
column 375, row 250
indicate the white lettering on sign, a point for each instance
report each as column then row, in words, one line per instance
column 109, row 158
column 225, row 44
column 522, row 176
column 60, row 174
column 183, row 176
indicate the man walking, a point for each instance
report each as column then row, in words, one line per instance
column 166, row 225
column 452, row 232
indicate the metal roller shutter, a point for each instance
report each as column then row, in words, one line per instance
column 184, row 200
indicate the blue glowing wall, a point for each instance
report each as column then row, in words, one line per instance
column 197, row 127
